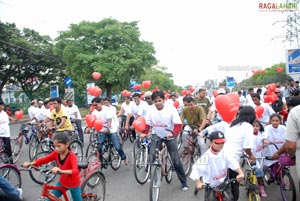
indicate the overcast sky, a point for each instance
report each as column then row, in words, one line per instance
column 189, row 36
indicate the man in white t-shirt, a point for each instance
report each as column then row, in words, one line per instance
column 166, row 125
column 33, row 110
column 75, row 117
column 5, row 130
column 110, row 128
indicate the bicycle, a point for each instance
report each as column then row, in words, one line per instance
column 217, row 191
column 279, row 173
column 4, row 158
column 125, row 133
column 190, row 154
column 161, row 167
column 251, row 179
column 12, row 174
column 109, row 153
column 92, row 184
column 141, row 165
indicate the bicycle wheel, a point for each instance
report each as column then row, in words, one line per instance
column 287, row 187
column 32, row 145
column 16, row 147
column 155, row 184
column 44, row 174
column 115, row 159
column 141, row 166
column 131, row 138
column 93, row 187
column 186, row 161
column 91, row 148
column 168, row 169
column 41, row 147
column 136, row 146
column 12, row 175
column 76, row 147
column 179, row 140
column 254, row 196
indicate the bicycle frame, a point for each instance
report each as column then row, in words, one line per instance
column 47, row 194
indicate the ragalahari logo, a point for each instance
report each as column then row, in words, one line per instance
column 273, row 7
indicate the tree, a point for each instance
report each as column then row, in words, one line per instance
column 27, row 59
column 110, row 47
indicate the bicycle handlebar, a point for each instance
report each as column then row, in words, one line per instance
column 221, row 188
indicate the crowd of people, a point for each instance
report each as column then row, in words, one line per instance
column 246, row 133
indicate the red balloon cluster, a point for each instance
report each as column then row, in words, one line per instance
column 95, row 91
column 228, row 106
column 96, row 75
column 19, row 114
column 90, row 120
column 139, row 124
column 146, row 84
column 125, row 93
column 271, row 96
column 259, row 110
column 98, row 125
column 137, row 87
column 279, row 70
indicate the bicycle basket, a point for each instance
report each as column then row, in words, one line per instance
column 285, row 160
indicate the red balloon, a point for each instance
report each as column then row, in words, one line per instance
column 184, row 92
column 235, row 97
column 259, row 110
column 19, row 114
column 227, row 106
column 90, row 120
column 139, row 124
column 146, row 84
column 91, row 91
column 96, row 75
column 215, row 93
column 98, row 125
column 92, row 108
column 176, row 104
column 191, row 89
column 97, row 91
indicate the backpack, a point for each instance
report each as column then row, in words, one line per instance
column 277, row 105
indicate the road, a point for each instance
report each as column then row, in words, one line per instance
column 121, row 184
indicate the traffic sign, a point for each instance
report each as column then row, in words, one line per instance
column 230, row 83
column 54, row 91
column 68, row 81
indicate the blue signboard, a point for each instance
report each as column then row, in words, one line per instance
column 54, row 91
column 68, row 81
column 230, row 82
column 293, row 61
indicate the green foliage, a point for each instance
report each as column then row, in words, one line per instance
column 110, row 47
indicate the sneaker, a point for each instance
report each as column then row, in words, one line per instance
column 20, row 193
column 185, row 188
column 262, row 191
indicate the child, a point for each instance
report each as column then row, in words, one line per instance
column 67, row 165
column 274, row 133
column 213, row 167
column 257, row 151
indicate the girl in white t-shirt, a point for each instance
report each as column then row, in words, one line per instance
column 274, row 133
column 258, row 132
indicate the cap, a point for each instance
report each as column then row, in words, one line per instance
column 277, row 90
column 148, row 93
column 41, row 102
column 217, row 136
column 33, row 101
column 221, row 91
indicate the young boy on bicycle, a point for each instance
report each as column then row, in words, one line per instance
column 212, row 167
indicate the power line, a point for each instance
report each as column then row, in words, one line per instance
column 29, row 50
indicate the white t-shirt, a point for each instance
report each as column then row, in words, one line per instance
column 106, row 114
column 238, row 138
column 268, row 111
column 249, row 100
column 276, row 136
column 258, row 144
column 213, row 167
column 43, row 113
column 127, row 108
column 160, row 120
column 73, row 111
column 32, row 111
column 139, row 110
column 242, row 101
column 4, row 124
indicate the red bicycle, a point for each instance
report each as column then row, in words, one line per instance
column 92, row 184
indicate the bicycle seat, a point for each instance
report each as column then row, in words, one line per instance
column 82, row 165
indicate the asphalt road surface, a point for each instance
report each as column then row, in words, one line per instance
column 122, row 186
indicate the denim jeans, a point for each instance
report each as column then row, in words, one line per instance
column 115, row 140
column 75, row 192
column 174, row 154
column 79, row 128
column 8, row 188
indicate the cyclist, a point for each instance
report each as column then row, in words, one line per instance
column 195, row 116
column 76, row 116
column 66, row 162
column 213, row 165
column 138, row 109
column 110, row 128
column 126, row 113
column 60, row 118
column 5, row 130
column 163, row 118
column 32, row 110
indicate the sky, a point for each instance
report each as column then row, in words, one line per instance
column 191, row 37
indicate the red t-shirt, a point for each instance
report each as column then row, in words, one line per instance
column 66, row 180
